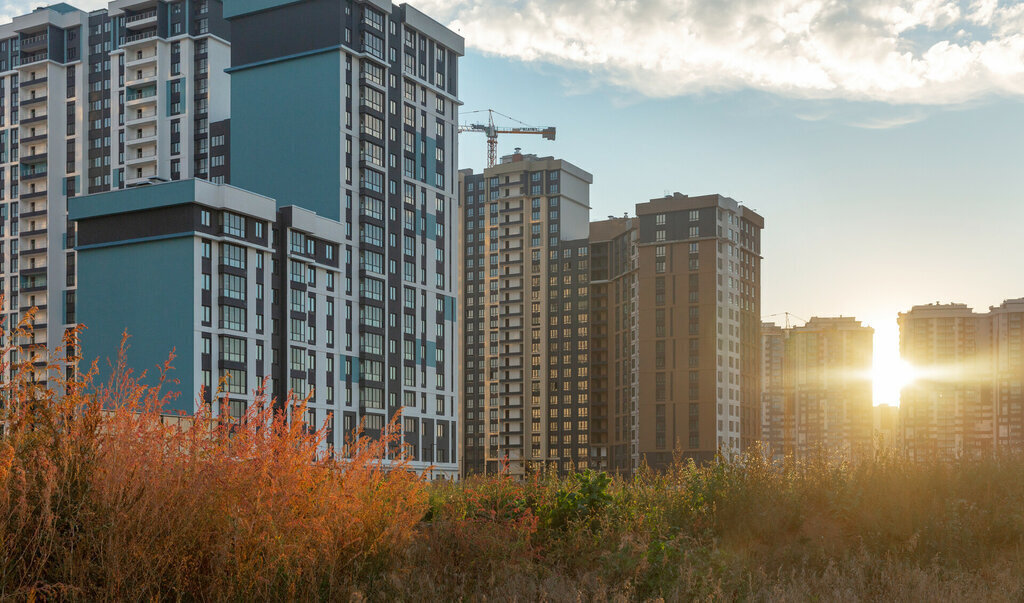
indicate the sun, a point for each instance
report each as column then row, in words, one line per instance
column 890, row 376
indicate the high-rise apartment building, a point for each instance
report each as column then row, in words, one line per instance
column 947, row 411
column 1006, row 328
column 777, row 414
column 526, row 316
column 817, row 388
column 93, row 102
column 967, row 398
column 345, row 114
column 675, row 305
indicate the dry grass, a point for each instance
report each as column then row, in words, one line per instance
column 101, row 499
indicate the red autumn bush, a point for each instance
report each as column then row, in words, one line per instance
column 103, row 496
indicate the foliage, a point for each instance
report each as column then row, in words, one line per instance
column 102, row 496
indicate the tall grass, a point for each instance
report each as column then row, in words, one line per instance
column 103, row 497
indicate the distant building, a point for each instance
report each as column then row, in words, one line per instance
column 887, row 427
column 526, row 316
column 824, row 400
column 947, row 412
column 968, row 397
column 777, row 413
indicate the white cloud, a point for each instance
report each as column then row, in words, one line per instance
column 893, row 51
column 12, row 8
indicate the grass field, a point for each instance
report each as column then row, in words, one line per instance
column 101, row 499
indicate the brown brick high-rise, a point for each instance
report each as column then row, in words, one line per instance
column 676, row 342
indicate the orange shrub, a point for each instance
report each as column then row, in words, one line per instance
column 101, row 496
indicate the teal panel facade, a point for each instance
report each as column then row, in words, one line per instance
column 234, row 8
column 160, row 276
column 286, row 138
column 132, row 199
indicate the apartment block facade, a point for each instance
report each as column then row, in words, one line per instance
column 525, row 323
column 967, row 398
column 244, row 292
column 947, row 411
column 350, row 129
column 93, row 102
column 817, row 394
column 676, row 346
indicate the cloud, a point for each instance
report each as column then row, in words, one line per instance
column 882, row 123
column 13, row 8
column 934, row 52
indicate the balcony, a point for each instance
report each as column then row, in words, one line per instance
column 36, row 138
column 140, row 176
column 37, row 194
column 39, row 81
column 32, row 251
column 144, row 96
column 35, row 100
column 140, row 117
column 34, row 42
column 148, row 135
column 139, row 77
column 139, row 37
column 33, row 174
column 32, row 213
column 140, row 20
column 38, row 157
column 33, row 284
column 141, row 57
column 27, row 234
column 34, row 58
column 142, row 157
column 32, row 119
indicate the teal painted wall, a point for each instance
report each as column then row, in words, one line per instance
column 286, row 138
column 120, row 288
column 234, row 8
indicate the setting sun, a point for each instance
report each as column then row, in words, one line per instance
column 890, row 376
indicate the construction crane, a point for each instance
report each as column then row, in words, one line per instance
column 492, row 131
column 787, row 316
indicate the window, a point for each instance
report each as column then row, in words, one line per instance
column 232, row 286
column 232, row 349
column 232, row 224
column 232, row 318
column 232, row 255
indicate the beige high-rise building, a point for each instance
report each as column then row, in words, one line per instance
column 1006, row 328
column 526, row 316
column 824, row 403
column 947, row 412
column 968, row 397
column 777, row 415
column 676, row 348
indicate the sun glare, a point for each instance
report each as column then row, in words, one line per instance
column 890, row 377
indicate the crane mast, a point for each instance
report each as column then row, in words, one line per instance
column 491, row 131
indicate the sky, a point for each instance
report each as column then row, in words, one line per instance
column 880, row 139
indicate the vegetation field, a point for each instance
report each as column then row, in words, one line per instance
column 102, row 498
